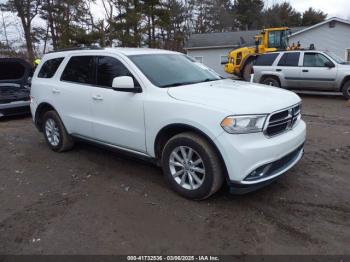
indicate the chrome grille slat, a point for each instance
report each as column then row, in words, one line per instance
column 282, row 120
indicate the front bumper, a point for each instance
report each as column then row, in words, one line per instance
column 14, row 108
column 244, row 154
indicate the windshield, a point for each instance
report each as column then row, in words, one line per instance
column 336, row 58
column 168, row 70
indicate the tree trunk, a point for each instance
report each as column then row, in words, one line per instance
column 29, row 44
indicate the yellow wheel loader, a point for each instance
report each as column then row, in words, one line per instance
column 240, row 61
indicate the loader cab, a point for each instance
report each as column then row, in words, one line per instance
column 275, row 39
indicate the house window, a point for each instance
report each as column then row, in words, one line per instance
column 199, row 59
column 348, row 55
column 223, row 59
column 331, row 24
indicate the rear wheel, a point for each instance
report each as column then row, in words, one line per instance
column 271, row 81
column 247, row 71
column 346, row 90
column 55, row 133
column 192, row 166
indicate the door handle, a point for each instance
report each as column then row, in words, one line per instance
column 279, row 70
column 305, row 71
column 56, row 91
column 97, row 98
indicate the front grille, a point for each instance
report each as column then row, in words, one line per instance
column 282, row 121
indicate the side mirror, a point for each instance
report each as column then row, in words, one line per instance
column 329, row 64
column 124, row 84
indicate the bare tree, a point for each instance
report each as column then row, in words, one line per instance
column 26, row 10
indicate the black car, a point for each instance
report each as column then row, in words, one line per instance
column 14, row 86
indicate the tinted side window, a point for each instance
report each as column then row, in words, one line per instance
column 289, row 59
column 108, row 68
column 266, row 60
column 50, row 67
column 315, row 60
column 11, row 70
column 80, row 69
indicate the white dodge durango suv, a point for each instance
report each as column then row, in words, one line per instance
column 201, row 129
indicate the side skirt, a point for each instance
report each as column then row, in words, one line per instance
column 115, row 148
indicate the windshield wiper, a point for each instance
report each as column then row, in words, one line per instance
column 190, row 83
column 178, row 84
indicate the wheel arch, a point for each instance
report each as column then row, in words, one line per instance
column 39, row 113
column 272, row 76
column 345, row 80
column 171, row 130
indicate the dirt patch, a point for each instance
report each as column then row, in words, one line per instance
column 93, row 201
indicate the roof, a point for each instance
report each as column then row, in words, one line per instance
column 337, row 19
column 225, row 39
column 117, row 50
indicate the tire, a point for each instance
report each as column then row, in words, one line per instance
column 55, row 133
column 271, row 81
column 247, row 71
column 204, row 168
column 346, row 90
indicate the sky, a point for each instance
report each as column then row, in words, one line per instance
column 339, row 8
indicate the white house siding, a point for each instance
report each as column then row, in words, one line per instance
column 211, row 58
column 335, row 39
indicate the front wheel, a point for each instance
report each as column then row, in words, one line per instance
column 192, row 166
column 346, row 90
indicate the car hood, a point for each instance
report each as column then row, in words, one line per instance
column 236, row 97
column 344, row 66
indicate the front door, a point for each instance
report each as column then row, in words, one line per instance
column 118, row 117
column 316, row 72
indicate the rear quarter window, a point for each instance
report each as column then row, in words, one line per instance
column 50, row 67
column 266, row 59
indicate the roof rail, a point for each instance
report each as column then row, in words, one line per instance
column 76, row 49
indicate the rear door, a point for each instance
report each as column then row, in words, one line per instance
column 288, row 66
column 73, row 94
column 315, row 74
column 264, row 64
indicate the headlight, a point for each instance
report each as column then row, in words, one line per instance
column 244, row 124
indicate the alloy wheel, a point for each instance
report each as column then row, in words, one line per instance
column 187, row 167
column 52, row 132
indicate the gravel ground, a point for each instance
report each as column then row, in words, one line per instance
column 93, row 201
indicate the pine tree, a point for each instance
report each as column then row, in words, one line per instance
column 249, row 13
column 311, row 17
